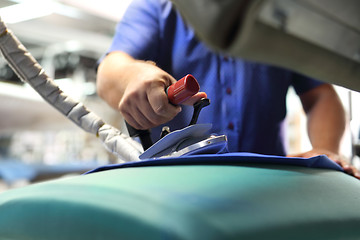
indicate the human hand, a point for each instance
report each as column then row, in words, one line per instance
column 349, row 169
column 145, row 104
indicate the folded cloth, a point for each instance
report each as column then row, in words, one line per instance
column 321, row 161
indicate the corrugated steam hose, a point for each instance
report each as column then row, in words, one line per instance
column 30, row 71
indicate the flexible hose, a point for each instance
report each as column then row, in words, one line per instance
column 30, row 71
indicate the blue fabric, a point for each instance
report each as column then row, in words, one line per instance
column 321, row 161
column 248, row 100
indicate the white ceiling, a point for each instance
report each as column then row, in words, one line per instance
column 90, row 23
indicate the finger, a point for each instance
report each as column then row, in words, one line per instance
column 130, row 120
column 133, row 115
column 303, row 155
column 146, row 117
column 341, row 163
column 192, row 100
column 336, row 158
column 152, row 116
column 351, row 170
column 159, row 103
column 294, row 155
column 357, row 175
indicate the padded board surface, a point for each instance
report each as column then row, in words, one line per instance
column 247, row 201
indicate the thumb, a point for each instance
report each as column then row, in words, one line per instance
column 193, row 99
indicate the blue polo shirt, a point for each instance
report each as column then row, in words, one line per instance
column 248, row 100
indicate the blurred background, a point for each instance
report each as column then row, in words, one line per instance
column 67, row 38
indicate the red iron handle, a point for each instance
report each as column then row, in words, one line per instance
column 183, row 89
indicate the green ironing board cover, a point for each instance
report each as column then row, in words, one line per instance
column 243, row 201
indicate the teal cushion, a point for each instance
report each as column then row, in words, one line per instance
column 250, row 201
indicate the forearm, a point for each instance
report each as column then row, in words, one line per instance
column 326, row 125
column 326, row 122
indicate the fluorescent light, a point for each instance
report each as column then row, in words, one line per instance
column 16, row 91
column 109, row 9
column 27, row 10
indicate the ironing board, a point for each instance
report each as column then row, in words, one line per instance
column 228, row 196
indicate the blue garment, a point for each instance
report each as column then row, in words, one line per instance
column 248, row 100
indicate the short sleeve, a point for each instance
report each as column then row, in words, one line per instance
column 302, row 83
column 138, row 31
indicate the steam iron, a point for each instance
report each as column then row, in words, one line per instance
column 194, row 139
